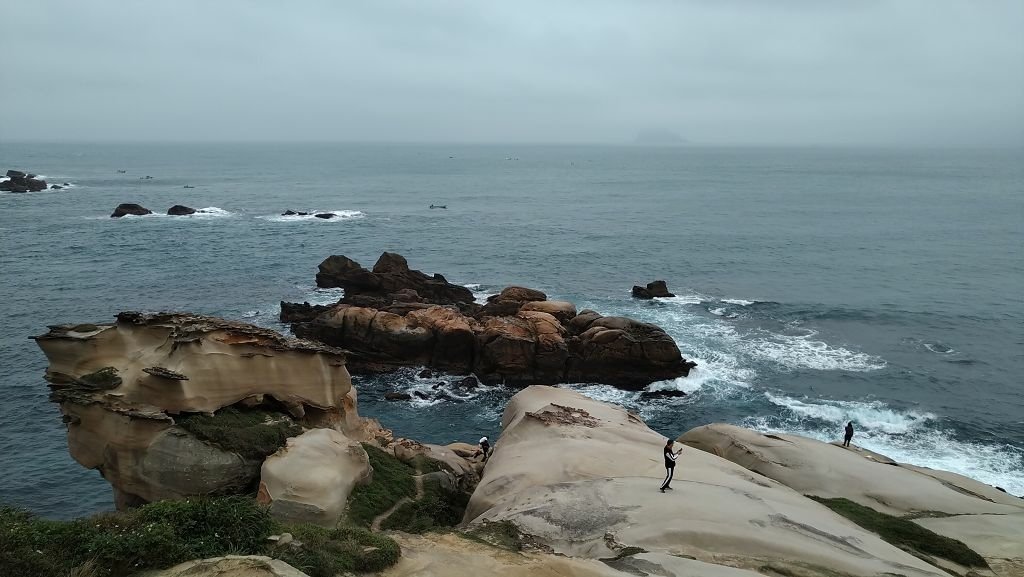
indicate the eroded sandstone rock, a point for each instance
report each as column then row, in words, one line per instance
column 582, row 477
column 310, row 479
column 128, row 389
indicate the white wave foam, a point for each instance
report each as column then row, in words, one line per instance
column 693, row 299
column 325, row 296
column 869, row 415
column 480, row 292
column 339, row 215
column 212, row 211
column 803, row 352
column 939, row 348
column 740, row 302
column 906, row 436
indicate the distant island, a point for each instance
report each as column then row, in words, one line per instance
column 658, row 137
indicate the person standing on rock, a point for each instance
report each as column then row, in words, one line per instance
column 485, row 447
column 670, row 464
column 849, row 434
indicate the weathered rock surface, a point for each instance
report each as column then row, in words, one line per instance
column 310, row 479
column 180, row 210
column 987, row 520
column 232, row 566
column 656, row 289
column 581, row 477
column 448, row 555
column 127, row 208
column 122, row 386
column 825, row 470
column 390, row 274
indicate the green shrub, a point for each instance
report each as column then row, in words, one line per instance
column 392, row 481
column 105, row 378
column 905, row 533
column 159, row 535
column 327, row 552
column 253, row 433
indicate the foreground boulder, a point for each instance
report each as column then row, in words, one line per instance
column 172, row 405
column 390, row 274
column 232, row 566
column 309, row 480
column 986, row 519
column 130, row 209
column 581, row 477
column 180, row 210
column 656, row 289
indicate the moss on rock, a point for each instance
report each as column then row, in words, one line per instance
column 904, row 533
column 252, row 433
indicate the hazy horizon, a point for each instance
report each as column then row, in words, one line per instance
column 732, row 73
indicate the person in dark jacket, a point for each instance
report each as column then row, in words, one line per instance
column 849, row 434
column 670, row 464
column 485, row 448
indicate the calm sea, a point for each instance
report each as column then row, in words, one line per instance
column 815, row 286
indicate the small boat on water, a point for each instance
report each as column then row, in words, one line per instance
column 444, row 206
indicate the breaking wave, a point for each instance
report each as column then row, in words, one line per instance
column 337, row 216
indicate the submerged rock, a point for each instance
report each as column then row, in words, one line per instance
column 126, row 208
column 325, row 215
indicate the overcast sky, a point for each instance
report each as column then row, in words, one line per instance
column 784, row 72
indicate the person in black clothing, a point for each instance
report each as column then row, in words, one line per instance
column 670, row 464
column 849, row 434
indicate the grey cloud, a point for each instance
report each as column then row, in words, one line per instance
column 787, row 72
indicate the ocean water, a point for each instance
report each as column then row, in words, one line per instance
column 814, row 286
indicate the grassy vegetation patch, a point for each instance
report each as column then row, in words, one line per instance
column 105, row 378
column 392, row 480
column 439, row 508
column 503, row 534
column 253, row 433
column 905, row 533
column 328, row 552
column 163, row 534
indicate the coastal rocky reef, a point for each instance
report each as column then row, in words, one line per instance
column 170, row 405
column 393, row 316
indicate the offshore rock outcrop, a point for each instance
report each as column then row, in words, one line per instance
column 580, row 477
column 18, row 181
column 393, row 316
column 132, row 391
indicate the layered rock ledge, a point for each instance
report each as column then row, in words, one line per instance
column 394, row 316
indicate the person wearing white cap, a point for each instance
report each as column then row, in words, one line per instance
column 485, row 447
